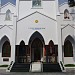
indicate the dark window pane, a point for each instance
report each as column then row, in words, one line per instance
column 36, row 3
column 6, row 49
column 68, row 49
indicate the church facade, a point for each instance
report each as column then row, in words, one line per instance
column 37, row 31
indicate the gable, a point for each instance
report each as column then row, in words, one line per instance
column 36, row 13
column 63, row 7
column 9, row 6
column 67, row 30
column 36, row 22
column 6, row 30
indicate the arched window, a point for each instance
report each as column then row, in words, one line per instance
column 22, row 50
column 51, row 47
column 68, row 49
column 66, row 14
column 6, row 49
column 8, row 15
column 22, row 43
column 51, row 53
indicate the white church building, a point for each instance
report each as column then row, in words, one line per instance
column 37, row 35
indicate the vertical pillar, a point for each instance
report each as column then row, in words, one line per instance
column 30, row 53
column 59, row 39
column 17, row 8
column 74, row 35
column 59, row 32
column 13, row 46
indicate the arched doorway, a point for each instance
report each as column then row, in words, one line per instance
column 36, row 50
column 36, row 45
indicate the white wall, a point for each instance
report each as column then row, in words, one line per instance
column 5, row 31
column 68, row 30
column 5, row 22
column 3, row 14
column 9, row 6
column 24, row 28
column 65, row 22
column 68, row 60
column 48, row 8
column 6, row 28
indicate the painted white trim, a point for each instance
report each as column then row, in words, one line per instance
column 68, row 25
column 6, row 26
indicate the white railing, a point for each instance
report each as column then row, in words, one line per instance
column 62, row 66
column 9, row 67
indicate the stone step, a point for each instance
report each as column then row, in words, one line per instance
column 36, row 67
column 20, row 67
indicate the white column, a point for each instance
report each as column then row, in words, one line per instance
column 74, row 34
column 13, row 39
column 17, row 8
column 59, row 32
column 57, row 7
column 59, row 39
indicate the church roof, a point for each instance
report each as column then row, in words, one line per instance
column 3, row 2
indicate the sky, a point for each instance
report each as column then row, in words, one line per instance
column 62, row 1
column 2, row 2
column 6, row 1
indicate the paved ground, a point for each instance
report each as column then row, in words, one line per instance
column 69, row 72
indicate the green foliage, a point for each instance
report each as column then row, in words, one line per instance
column 69, row 65
column 71, row 3
column 3, row 65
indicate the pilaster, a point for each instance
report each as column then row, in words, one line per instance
column 13, row 47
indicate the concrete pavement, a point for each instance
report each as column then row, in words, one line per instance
column 69, row 72
column 26, row 73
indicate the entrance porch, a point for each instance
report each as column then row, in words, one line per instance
column 36, row 53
